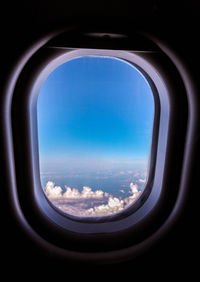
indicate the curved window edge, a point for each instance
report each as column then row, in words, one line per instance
column 60, row 56
column 192, row 126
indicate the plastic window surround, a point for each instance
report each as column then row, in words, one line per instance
column 152, row 152
column 117, row 222
column 193, row 104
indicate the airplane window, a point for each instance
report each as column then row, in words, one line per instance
column 95, row 119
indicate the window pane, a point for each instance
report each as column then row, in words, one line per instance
column 95, row 119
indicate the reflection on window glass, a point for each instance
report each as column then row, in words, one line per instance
column 95, row 119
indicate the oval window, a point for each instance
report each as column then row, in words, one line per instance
column 95, row 121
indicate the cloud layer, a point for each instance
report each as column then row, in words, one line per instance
column 89, row 202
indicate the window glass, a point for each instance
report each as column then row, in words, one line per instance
column 95, row 118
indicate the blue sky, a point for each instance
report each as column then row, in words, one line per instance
column 94, row 110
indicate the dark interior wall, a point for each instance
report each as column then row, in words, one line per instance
column 23, row 21
column 174, row 21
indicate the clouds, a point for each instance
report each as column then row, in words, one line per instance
column 135, row 194
column 89, row 202
column 141, row 180
column 88, row 193
column 52, row 191
column 113, row 205
column 134, row 188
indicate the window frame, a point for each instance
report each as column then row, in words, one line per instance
column 65, row 233
column 111, row 223
column 58, row 60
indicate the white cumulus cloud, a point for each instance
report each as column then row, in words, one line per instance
column 86, row 193
column 114, row 205
column 71, row 193
column 89, row 202
column 53, row 191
